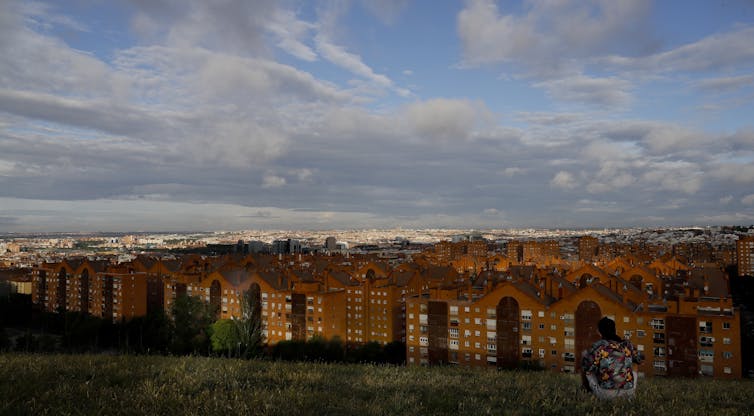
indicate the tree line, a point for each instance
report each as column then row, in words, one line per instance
column 190, row 327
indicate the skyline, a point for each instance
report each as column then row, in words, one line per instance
column 176, row 115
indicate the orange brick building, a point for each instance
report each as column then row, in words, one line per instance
column 493, row 313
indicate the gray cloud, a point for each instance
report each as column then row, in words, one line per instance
column 723, row 84
column 547, row 35
column 605, row 92
column 195, row 133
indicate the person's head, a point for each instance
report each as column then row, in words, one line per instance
column 606, row 326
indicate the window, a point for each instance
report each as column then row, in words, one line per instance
column 726, row 325
column 658, row 338
column 727, row 354
column 453, row 332
column 726, row 341
column 526, row 315
column 705, row 327
column 705, row 341
column 640, row 333
column 706, row 356
column 659, row 365
column 657, row 324
column 568, row 331
column 541, row 314
column 541, row 326
column 659, row 352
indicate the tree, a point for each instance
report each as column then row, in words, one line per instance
column 249, row 325
column 225, row 337
column 191, row 329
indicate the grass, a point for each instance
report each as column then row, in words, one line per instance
column 130, row 385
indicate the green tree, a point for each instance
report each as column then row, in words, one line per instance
column 192, row 325
column 225, row 337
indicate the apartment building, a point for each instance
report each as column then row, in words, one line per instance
column 745, row 255
column 503, row 315
column 547, row 321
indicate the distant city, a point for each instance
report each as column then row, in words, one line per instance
column 26, row 250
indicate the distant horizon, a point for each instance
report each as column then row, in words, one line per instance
column 104, row 233
column 123, row 115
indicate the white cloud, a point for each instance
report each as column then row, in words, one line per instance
column 512, row 171
column 718, row 51
column 748, row 199
column 273, row 181
column 290, row 31
column 726, row 200
column 564, row 180
column 353, row 63
column 677, row 176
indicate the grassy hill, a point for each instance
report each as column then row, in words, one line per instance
column 115, row 385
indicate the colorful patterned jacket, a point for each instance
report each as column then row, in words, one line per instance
column 610, row 362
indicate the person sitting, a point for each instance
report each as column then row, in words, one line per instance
column 607, row 366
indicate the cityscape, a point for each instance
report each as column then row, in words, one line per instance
column 376, row 207
column 500, row 298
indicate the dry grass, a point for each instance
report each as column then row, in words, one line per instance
column 122, row 385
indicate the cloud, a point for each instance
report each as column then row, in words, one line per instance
column 726, row 200
column 549, row 119
column 447, row 119
column 512, row 171
column 385, row 10
column 353, row 63
column 273, row 181
column 735, row 172
column 677, row 176
column 563, row 180
column 748, row 199
column 602, row 92
column 547, row 35
column 492, row 212
column 716, row 52
column 290, row 31
column 236, row 26
column 724, row 84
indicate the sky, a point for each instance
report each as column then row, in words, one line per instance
column 261, row 114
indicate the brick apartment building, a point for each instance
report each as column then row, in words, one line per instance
column 497, row 313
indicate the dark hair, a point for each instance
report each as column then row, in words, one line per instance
column 606, row 326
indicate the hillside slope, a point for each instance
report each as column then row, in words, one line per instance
column 123, row 385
